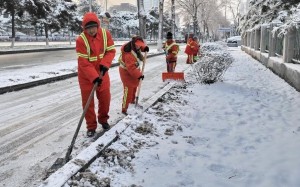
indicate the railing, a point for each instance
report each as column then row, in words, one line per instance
column 296, row 56
column 278, row 45
column 285, row 47
column 267, row 39
column 264, row 40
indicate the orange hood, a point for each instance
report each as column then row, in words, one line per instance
column 90, row 16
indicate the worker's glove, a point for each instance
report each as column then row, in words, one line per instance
column 141, row 77
column 146, row 49
column 98, row 81
column 103, row 69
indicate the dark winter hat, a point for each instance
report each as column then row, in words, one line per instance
column 169, row 35
column 90, row 24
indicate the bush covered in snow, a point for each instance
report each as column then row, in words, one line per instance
column 214, row 62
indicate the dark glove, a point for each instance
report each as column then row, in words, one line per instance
column 103, row 69
column 98, row 81
column 146, row 49
column 141, row 77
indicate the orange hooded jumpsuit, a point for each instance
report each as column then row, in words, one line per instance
column 171, row 49
column 93, row 52
column 130, row 70
column 192, row 48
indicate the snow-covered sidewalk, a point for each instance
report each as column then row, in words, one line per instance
column 244, row 131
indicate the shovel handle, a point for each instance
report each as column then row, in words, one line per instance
column 67, row 158
column 140, row 83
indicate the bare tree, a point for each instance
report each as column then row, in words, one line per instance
column 160, row 25
column 234, row 7
column 142, row 18
column 173, row 16
column 211, row 17
column 191, row 7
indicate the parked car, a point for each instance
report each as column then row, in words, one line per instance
column 19, row 36
column 234, row 41
column 179, row 40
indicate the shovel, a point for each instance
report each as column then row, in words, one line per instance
column 140, row 83
column 62, row 161
column 172, row 75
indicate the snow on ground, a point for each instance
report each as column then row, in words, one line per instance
column 243, row 131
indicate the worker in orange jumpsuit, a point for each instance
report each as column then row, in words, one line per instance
column 130, row 63
column 196, row 51
column 171, row 50
column 95, row 49
column 192, row 49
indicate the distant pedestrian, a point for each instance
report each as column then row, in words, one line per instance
column 171, row 49
column 130, row 63
column 95, row 49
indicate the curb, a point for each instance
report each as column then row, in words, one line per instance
column 49, row 80
column 95, row 150
column 35, row 50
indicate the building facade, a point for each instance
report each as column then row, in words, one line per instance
column 123, row 7
column 149, row 4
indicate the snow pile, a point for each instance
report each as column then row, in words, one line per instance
column 215, row 61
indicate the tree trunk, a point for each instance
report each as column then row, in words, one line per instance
column 142, row 18
column 128, row 31
column 13, row 32
column 46, row 34
column 195, row 20
column 160, row 25
column 173, row 17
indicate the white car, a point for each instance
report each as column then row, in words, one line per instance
column 234, row 41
